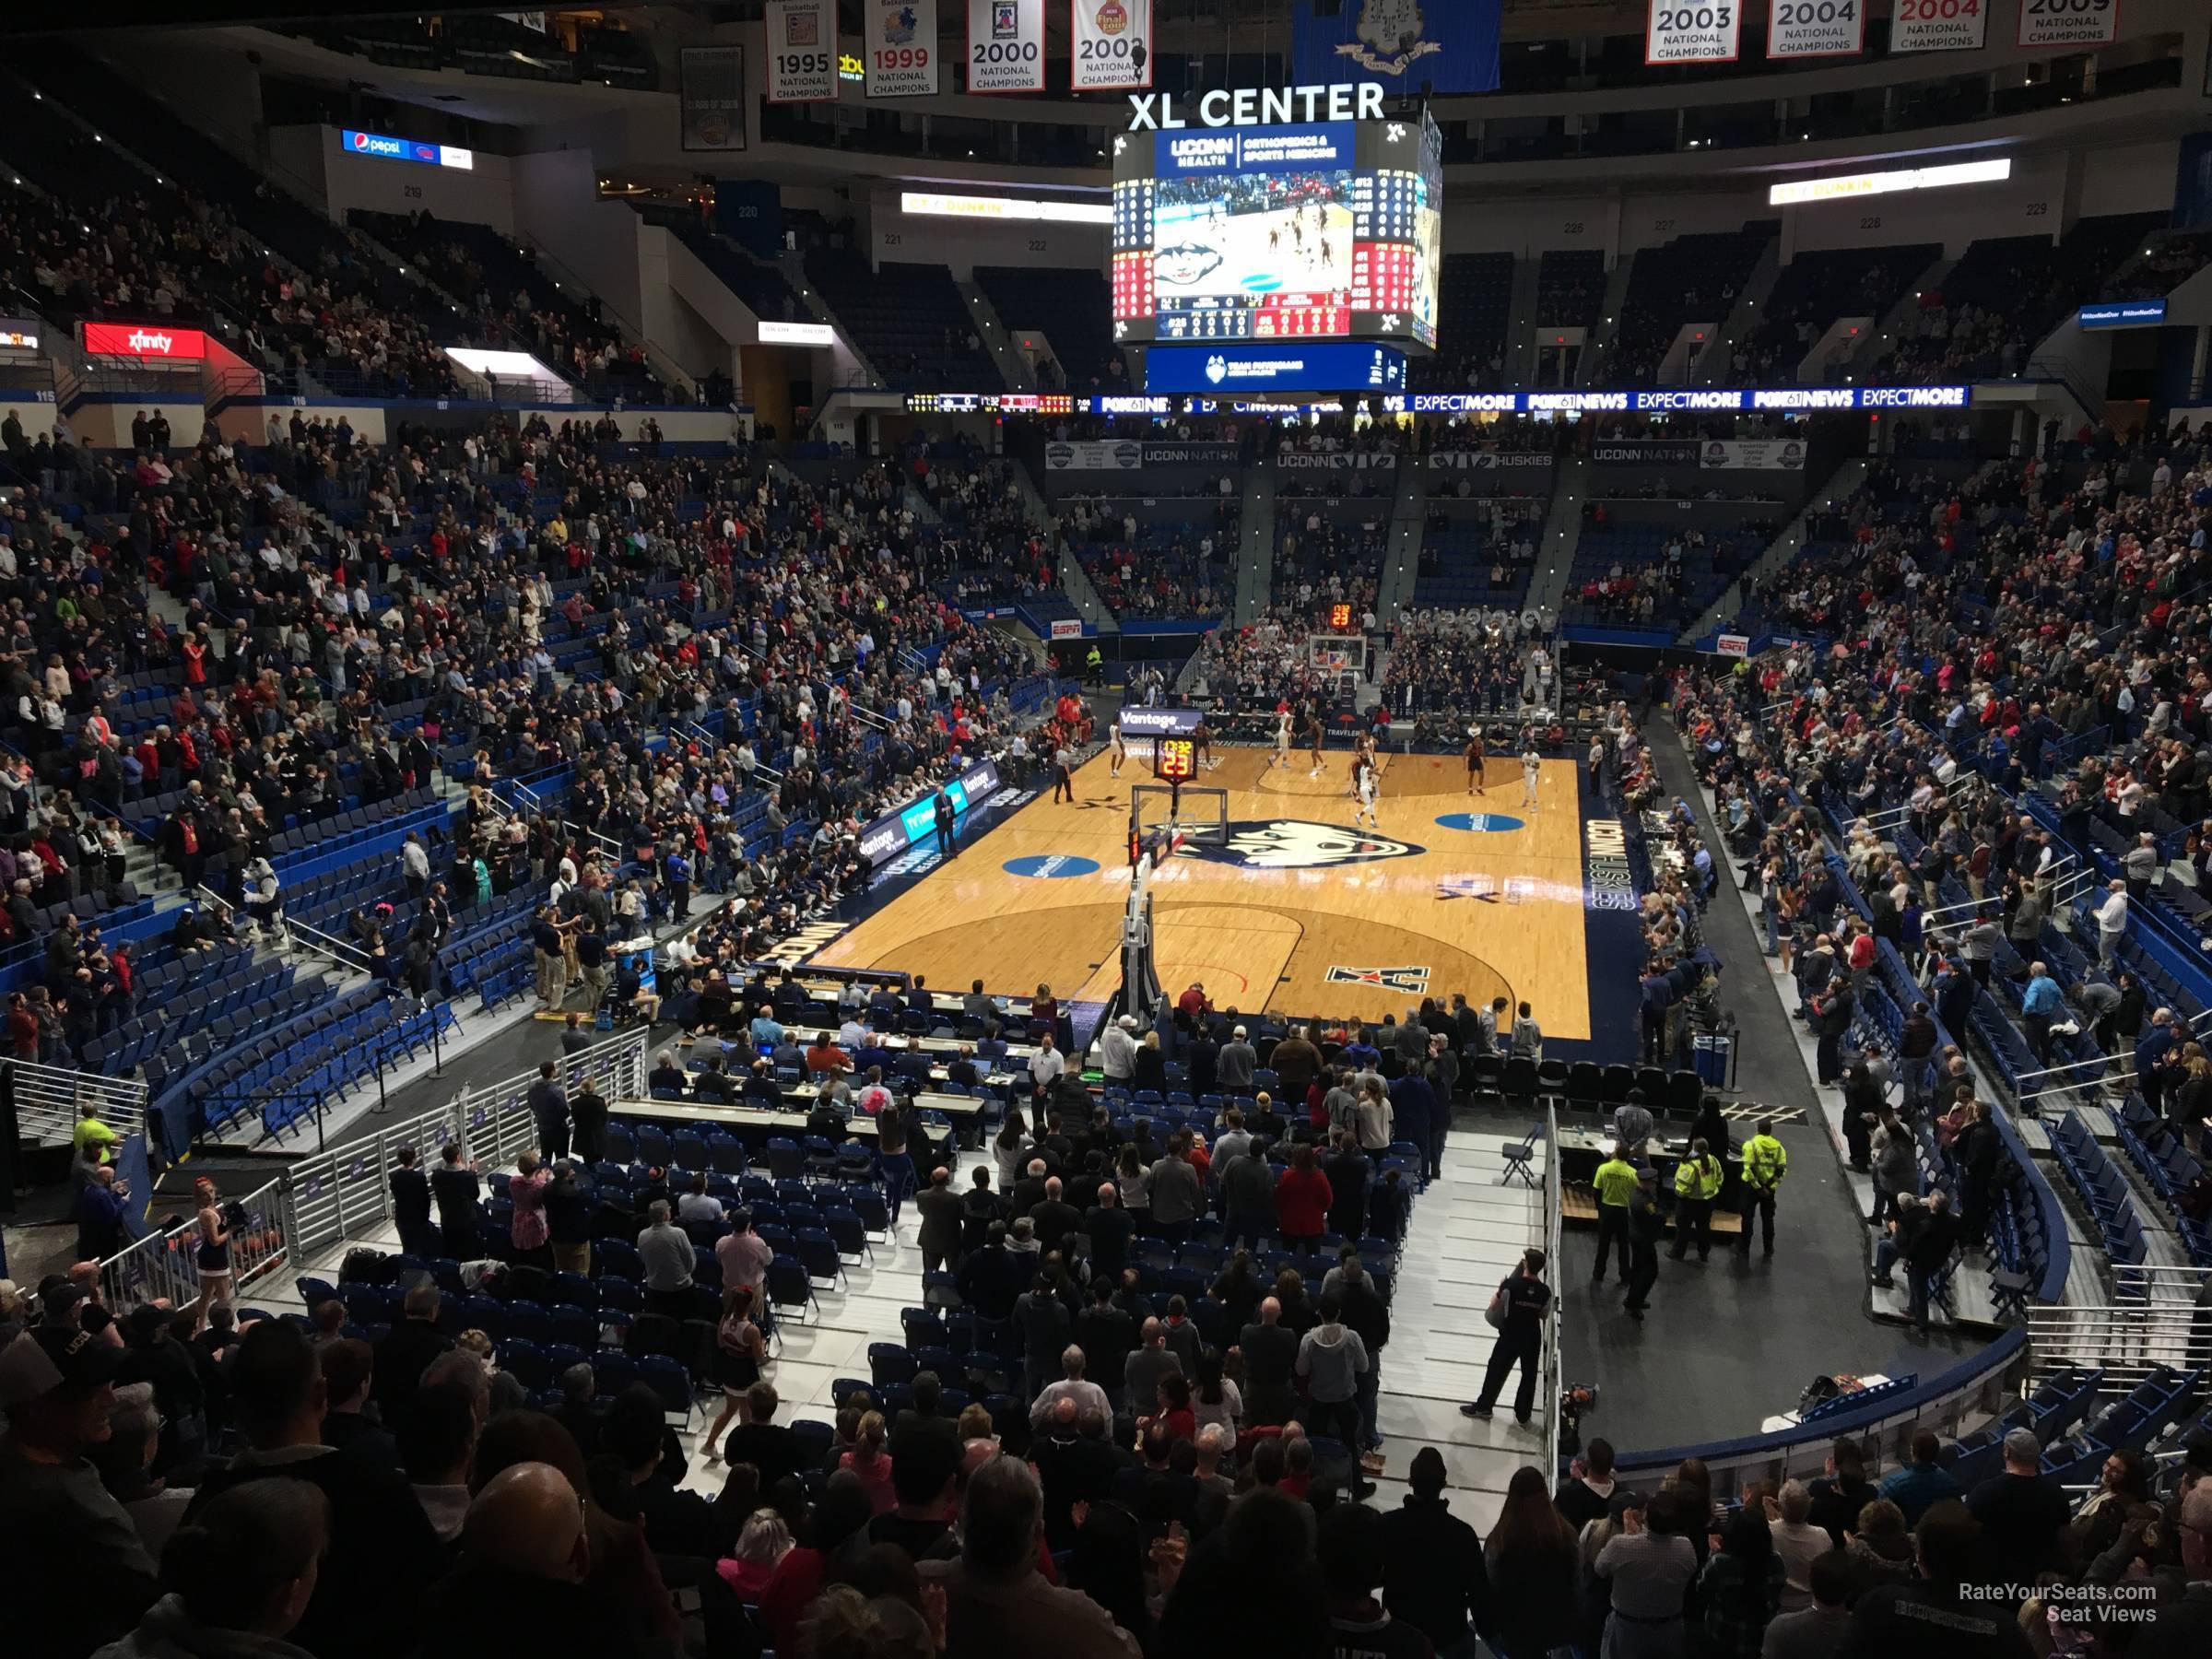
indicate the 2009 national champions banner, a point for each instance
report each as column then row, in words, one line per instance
column 1110, row 45
column 1005, row 46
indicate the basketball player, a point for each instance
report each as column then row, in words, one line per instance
column 1364, row 775
column 1363, row 751
column 1475, row 781
column 1282, row 740
column 1532, row 770
column 1202, row 746
column 1313, row 740
column 1120, row 752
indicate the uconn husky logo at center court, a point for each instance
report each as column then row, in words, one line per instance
column 1297, row 845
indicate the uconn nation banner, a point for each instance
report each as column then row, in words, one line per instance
column 1408, row 45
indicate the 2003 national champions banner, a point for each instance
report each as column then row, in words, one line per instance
column 1110, row 45
column 1005, row 46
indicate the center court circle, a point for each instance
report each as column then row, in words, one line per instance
column 1050, row 866
column 1481, row 823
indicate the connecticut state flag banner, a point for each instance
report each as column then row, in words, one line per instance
column 1443, row 45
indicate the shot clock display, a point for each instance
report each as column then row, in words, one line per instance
column 1327, row 230
column 1174, row 759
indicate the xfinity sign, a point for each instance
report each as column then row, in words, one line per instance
column 1254, row 106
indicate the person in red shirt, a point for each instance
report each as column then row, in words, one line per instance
column 1301, row 1200
column 22, row 1027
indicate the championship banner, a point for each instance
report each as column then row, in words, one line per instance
column 711, row 103
column 1005, row 46
column 898, row 46
column 802, row 51
column 1755, row 455
column 1684, row 32
column 1110, row 45
column 1940, row 26
column 2069, row 22
column 1122, row 456
column 1803, row 29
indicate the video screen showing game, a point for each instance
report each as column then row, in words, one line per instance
column 1315, row 231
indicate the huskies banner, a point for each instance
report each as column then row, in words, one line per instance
column 1492, row 461
column 1684, row 32
column 1005, row 46
column 1294, row 461
column 1761, row 454
column 1110, row 45
column 1124, row 455
column 898, row 46
column 802, row 51
column 1442, row 45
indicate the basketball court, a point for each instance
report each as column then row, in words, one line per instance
column 1296, row 911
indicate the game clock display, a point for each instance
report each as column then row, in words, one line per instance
column 1329, row 230
column 1175, row 759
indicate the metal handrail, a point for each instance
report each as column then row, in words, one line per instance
column 341, row 951
column 48, row 1098
column 1550, row 1223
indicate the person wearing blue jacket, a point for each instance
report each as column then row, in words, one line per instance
column 1413, row 1117
column 2041, row 1003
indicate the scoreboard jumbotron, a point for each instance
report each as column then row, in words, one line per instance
column 1320, row 231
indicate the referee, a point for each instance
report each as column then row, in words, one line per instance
column 1063, row 777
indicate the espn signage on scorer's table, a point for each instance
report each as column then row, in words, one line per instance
column 2069, row 22
column 1940, row 26
column 802, row 51
column 1005, row 46
column 1693, row 31
column 899, row 44
column 1110, row 45
column 1802, row 29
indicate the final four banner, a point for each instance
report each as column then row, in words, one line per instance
column 1446, row 45
column 802, row 51
column 1694, row 32
column 1005, row 46
column 1803, row 29
column 899, row 47
column 1110, row 45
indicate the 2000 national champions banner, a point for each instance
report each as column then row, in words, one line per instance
column 1005, row 46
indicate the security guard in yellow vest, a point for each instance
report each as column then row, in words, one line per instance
column 1092, row 663
column 1765, row 1164
column 1615, row 1184
column 1697, row 1184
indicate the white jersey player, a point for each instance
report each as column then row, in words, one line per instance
column 1282, row 739
column 1532, row 772
column 1367, row 786
column 1120, row 752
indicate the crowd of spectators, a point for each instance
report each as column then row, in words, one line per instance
column 1468, row 662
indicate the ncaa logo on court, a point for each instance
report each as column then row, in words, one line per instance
column 1411, row 980
column 1298, row 844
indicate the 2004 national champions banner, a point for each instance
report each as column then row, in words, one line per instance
column 1005, row 46
column 899, row 47
column 1110, row 45
column 802, row 51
